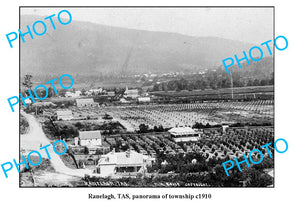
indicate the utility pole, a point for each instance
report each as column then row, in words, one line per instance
column 231, row 85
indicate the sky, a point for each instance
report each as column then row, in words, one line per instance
column 252, row 25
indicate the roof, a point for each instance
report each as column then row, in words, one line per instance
column 181, row 130
column 124, row 100
column 44, row 104
column 28, row 101
column 63, row 112
column 144, row 98
column 84, row 100
column 89, row 135
column 122, row 158
column 132, row 91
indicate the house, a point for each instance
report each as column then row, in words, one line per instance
column 70, row 94
column 111, row 94
column 122, row 162
column 44, row 104
column 73, row 95
column 87, row 93
column 90, row 138
column 28, row 101
column 131, row 93
column 123, row 101
column 64, row 115
column 78, row 93
column 184, row 134
column 86, row 102
column 144, row 99
column 96, row 91
column 225, row 127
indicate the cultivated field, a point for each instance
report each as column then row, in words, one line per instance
column 224, row 91
column 213, row 142
column 172, row 115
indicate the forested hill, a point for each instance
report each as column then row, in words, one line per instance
column 260, row 73
column 257, row 69
column 88, row 48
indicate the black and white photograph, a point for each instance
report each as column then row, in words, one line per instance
column 135, row 97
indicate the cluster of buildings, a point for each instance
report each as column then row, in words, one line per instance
column 134, row 94
column 90, row 92
column 129, row 162
column 129, row 94
column 112, row 163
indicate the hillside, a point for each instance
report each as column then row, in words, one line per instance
column 87, row 49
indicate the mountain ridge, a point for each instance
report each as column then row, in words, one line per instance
column 84, row 47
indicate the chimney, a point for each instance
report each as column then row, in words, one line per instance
column 128, row 153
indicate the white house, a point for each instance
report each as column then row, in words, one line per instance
column 123, row 101
column 44, row 104
column 184, row 134
column 28, row 101
column 90, row 138
column 86, row 102
column 70, row 94
column 111, row 93
column 96, row 91
column 225, row 127
column 78, row 93
column 64, row 115
column 144, row 99
column 131, row 93
column 122, row 162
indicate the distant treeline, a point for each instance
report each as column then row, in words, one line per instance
column 256, row 74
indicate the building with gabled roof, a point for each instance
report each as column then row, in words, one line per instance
column 90, row 138
column 111, row 93
column 44, row 104
column 64, row 115
column 86, row 102
column 122, row 162
column 144, row 99
column 131, row 93
column 184, row 134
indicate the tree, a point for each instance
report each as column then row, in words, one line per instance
column 86, row 150
column 161, row 128
column 143, row 128
column 255, row 178
column 83, row 91
column 256, row 82
column 27, row 81
column 250, row 83
column 51, row 92
column 207, row 125
column 62, row 93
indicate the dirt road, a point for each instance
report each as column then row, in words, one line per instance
column 36, row 137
